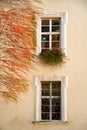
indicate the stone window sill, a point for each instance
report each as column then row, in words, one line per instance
column 50, row 122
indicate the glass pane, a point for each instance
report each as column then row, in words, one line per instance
column 56, row 92
column 45, row 45
column 45, row 22
column 45, row 108
column 45, row 92
column 56, row 116
column 56, row 21
column 56, row 101
column 56, row 85
column 55, row 44
column 56, row 37
column 45, row 116
column 56, row 109
column 55, row 28
column 45, row 29
column 45, row 101
column 45, row 85
column 44, row 38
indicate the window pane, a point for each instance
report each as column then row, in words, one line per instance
column 56, row 37
column 45, row 101
column 45, row 85
column 56, row 85
column 45, row 22
column 56, row 21
column 56, row 116
column 45, row 116
column 56, row 109
column 45, row 38
column 55, row 28
column 55, row 44
column 56, row 101
column 45, row 29
column 45, row 45
column 45, row 108
column 45, row 93
column 56, row 93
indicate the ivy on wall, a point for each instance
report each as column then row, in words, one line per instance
column 17, row 43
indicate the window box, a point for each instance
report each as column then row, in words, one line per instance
column 52, row 57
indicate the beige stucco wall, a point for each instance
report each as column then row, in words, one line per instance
column 19, row 116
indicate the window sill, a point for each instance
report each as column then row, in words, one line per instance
column 50, row 122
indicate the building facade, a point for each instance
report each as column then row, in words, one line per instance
column 57, row 94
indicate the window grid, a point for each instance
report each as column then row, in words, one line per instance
column 50, row 34
column 51, row 97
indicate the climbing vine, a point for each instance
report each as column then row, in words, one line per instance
column 17, row 44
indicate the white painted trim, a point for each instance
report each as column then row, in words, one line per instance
column 64, row 99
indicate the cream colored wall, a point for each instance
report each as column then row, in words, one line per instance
column 19, row 116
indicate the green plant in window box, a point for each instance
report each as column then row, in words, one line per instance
column 52, row 57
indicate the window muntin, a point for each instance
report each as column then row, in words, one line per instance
column 50, row 33
column 51, row 100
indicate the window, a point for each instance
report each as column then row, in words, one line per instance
column 50, row 98
column 51, row 32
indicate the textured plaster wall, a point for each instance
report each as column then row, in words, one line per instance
column 20, row 116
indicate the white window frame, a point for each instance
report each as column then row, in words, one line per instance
column 64, row 19
column 37, row 81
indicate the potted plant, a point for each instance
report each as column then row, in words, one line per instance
column 52, row 57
